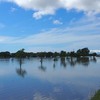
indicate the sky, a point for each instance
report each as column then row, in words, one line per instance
column 49, row 25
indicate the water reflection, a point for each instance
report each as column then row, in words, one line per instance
column 85, row 61
column 93, row 59
column 41, row 67
column 71, row 61
column 74, row 82
column 21, row 72
column 63, row 61
column 5, row 60
column 55, row 60
column 39, row 96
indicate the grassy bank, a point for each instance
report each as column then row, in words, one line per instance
column 96, row 96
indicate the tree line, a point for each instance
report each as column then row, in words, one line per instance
column 22, row 54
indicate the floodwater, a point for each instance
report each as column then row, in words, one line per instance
column 64, row 79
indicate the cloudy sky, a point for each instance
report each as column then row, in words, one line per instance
column 49, row 25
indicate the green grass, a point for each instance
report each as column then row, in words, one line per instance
column 96, row 96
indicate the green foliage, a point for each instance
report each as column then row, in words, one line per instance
column 96, row 96
column 20, row 54
column 44, row 54
column 5, row 54
column 55, row 54
column 83, row 52
column 63, row 54
column 72, row 54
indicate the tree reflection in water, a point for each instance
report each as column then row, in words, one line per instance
column 63, row 62
column 55, row 60
column 72, row 61
column 93, row 59
column 83, row 60
column 41, row 67
column 21, row 72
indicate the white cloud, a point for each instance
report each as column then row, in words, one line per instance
column 57, row 22
column 38, row 96
column 97, row 51
column 7, row 39
column 82, row 33
column 13, row 9
column 46, row 7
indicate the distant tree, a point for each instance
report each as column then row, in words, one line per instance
column 41, row 54
column 63, row 54
column 55, row 54
column 5, row 54
column 83, row 52
column 20, row 53
column 49, row 54
column 72, row 54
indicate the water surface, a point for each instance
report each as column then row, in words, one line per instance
column 65, row 79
